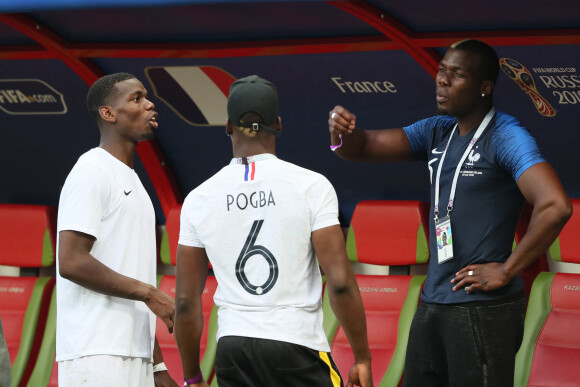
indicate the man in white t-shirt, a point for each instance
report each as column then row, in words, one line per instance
column 107, row 301
column 262, row 223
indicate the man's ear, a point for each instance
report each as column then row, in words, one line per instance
column 229, row 128
column 278, row 125
column 488, row 87
column 107, row 114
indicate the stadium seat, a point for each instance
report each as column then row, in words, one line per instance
column 541, row 264
column 550, row 351
column 45, row 372
column 208, row 343
column 383, row 233
column 168, row 254
column 27, row 236
column 168, row 248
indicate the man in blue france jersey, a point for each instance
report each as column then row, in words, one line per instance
column 265, row 225
column 483, row 164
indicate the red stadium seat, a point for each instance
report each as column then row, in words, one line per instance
column 208, row 339
column 566, row 248
column 168, row 248
column 170, row 237
column 45, row 372
column 168, row 254
column 550, row 351
column 27, row 235
column 530, row 273
column 384, row 233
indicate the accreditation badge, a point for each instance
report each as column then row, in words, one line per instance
column 444, row 239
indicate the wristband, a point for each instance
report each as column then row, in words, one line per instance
column 159, row 367
column 196, row 379
column 335, row 147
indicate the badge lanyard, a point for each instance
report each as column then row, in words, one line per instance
column 443, row 227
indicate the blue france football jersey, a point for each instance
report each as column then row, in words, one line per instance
column 487, row 202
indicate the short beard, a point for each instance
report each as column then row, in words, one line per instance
column 147, row 136
column 442, row 111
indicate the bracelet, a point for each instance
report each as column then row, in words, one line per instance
column 335, row 147
column 159, row 367
column 196, row 379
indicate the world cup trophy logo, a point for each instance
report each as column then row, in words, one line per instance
column 520, row 75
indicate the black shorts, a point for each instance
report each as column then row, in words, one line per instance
column 246, row 361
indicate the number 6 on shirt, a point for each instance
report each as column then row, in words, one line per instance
column 250, row 249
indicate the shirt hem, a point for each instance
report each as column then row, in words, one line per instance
column 66, row 357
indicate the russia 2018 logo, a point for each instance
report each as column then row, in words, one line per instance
column 522, row 76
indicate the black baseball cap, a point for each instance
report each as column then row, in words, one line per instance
column 256, row 95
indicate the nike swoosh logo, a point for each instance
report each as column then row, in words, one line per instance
column 127, row 193
column 435, row 151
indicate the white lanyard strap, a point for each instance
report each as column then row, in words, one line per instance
column 476, row 136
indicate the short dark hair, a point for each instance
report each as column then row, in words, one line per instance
column 489, row 68
column 102, row 89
